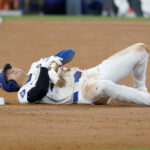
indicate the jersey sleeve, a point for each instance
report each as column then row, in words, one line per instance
column 36, row 65
column 41, row 87
column 34, row 91
column 66, row 55
column 22, row 94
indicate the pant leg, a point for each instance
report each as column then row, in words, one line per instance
column 139, row 74
column 124, row 93
column 130, row 3
column 132, row 59
column 108, row 6
column 137, row 7
column 94, row 91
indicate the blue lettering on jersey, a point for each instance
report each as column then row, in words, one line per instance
column 22, row 93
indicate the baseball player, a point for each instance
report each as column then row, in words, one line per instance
column 48, row 81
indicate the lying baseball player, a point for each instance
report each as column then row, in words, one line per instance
column 48, row 81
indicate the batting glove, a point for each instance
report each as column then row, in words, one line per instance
column 54, row 77
column 47, row 63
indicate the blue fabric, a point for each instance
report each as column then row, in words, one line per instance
column 10, row 86
column 84, row 7
column 2, row 80
column 52, row 86
column 75, row 97
column 53, row 1
column 77, row 76
column 66, row 54
column 29, row 78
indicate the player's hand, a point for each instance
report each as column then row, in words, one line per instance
column 56, row 60
column 47, row 64
column 54, row 77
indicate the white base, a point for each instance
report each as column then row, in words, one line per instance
column 2, row 101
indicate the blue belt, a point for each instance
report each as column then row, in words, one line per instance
column 77, row 77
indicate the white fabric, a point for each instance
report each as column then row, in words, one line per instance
column 101, row 81
column 123, row 7
column 22, row 94
column 103, row 78
column 64, row 94
column 145, row 5
column 53, row 76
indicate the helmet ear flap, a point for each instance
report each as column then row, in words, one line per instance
column 9, row 86
column 12, row 84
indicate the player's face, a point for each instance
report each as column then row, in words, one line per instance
column 14, row 74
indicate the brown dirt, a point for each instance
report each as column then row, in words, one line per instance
column 71, row 127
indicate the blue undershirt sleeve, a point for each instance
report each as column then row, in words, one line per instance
column 41, row 88
column 66, row 55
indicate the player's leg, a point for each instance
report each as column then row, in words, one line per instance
column 124, row 93
column 132, row 59
column 97, row 90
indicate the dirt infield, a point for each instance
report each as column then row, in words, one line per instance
column 71, row 127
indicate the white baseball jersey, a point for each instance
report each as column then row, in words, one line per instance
column 60, row 93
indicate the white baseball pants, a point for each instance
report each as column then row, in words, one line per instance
column 132, row 59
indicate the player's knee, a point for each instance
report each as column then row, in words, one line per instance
column 105, row 84
column 108, row 88
column 142, row 47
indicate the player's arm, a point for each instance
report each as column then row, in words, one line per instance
column 41, row 87
column 59, row 59
column 63, row 56
column 66, row 55
column 37, row 92
column 32, row 93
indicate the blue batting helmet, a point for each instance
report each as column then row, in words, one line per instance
column 9, row 86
